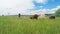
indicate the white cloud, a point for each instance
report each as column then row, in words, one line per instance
column 13, row 7
column 16, row 3
column 54, row 9
column 41, row 1
column 18, row 6
column 24, row 4
column 45, row 11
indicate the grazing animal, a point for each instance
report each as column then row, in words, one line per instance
column 19, row 15
column 35, row 16
column 52, row 17
column 42, row 16
column 2, row 15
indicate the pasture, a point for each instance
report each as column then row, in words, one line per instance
column 25, row 25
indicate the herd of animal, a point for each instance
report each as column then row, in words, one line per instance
column 35, row 16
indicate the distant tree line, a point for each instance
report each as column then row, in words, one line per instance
column 57, row 13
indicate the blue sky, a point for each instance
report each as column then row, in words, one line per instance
column 49, row 5
column 27, row 7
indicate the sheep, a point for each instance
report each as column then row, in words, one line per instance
column 42, row 16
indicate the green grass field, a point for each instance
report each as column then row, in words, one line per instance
column 24, row 25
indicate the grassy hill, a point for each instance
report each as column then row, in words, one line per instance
column 24, row 25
